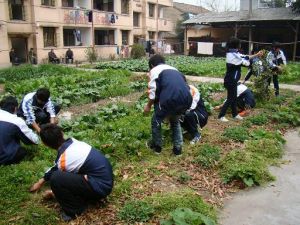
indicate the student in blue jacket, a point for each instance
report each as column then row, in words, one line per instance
column 234, row 62
column 80, row 174
column 13, row 131
column 170, row 95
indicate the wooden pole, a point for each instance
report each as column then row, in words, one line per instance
column 93, row 32
column 185, row 41
column 296, row 40
column 250, row 39
column 235, row 30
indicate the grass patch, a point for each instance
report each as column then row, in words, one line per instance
column 164, row 203
column 238, row 133
column 260, row 119
column 207, row 155
column 245, row 166
column 136, row 211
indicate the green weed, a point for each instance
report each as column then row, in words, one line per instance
column 183, row 178
column 136, row 211
column 186, row 216
column 238, row 133
column 260, row 119
column 207, row 155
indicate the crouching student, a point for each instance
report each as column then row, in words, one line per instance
column 37, row 109
column 13, row 130
column 195, row 116
column 171, row 97
column 80, row 174
column 245, row 100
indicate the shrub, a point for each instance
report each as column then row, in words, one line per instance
column 208, row 155
column 137, row 51
column 245, row 166
column 236, row 133
column 186, row 216
column 136, row 211
column 91, row 54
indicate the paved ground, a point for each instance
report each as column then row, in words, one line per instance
column 276, row 204
column 220, row 80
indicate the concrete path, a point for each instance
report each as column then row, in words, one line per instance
column 276, row 204
column 221, row 80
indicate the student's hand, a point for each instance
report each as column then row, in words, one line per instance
column 48, row 194
column 37, row 185
column 54, row 120
column 260, row 53
column 147, row 109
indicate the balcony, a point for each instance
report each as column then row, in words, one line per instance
column 165, row 25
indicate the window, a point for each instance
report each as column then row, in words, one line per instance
column 67, row 3
column 151, row 10
column 125, row 6
column 16, row 10
column 125, row 35
column 48, row 2
column 271, row 3
column 136, row 19
column 69, row 38
column 104, row 5
column 49, row 36
column 104, row 37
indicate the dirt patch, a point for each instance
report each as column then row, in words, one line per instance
column 93, row 107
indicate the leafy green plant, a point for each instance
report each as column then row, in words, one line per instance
column 137, row 51
column 186, row 216
column 113, row 111
column 207, row 155
column 136, row 211
column 263, row 134
column 238, row 133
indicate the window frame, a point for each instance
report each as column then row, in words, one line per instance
column 47, row 43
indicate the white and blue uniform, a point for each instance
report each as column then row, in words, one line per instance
column 13, row 130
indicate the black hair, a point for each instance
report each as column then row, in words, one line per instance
column 275, row 44
column 43, row 94
column 9, row 104
column 233, row 43
column 52, row 135
column 156, row 60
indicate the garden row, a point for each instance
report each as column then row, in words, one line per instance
column 197, row 66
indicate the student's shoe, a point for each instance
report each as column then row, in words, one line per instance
column 177, row 151
column 155, row 148
column 66, row 218
column 238, row 117
column 223, row 119
column 195, row 140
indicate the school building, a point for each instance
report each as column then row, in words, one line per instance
column 78, row 24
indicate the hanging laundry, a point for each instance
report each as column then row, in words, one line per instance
column 205, row 48
column 112, row 19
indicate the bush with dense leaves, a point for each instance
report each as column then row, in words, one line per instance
column 137, row 51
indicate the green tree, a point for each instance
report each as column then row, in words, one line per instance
column 180, row 27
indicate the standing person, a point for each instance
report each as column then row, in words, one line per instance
column 69, row 56
column 275, row 59
column 196, row 115
column 13, row 130
column 234, row 62
column 32, row 56
column 37, row 108
column 52, row 57
column 80, row 174
column 171, row 97
column 13, row 57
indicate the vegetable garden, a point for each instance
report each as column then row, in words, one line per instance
column 148, row 188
